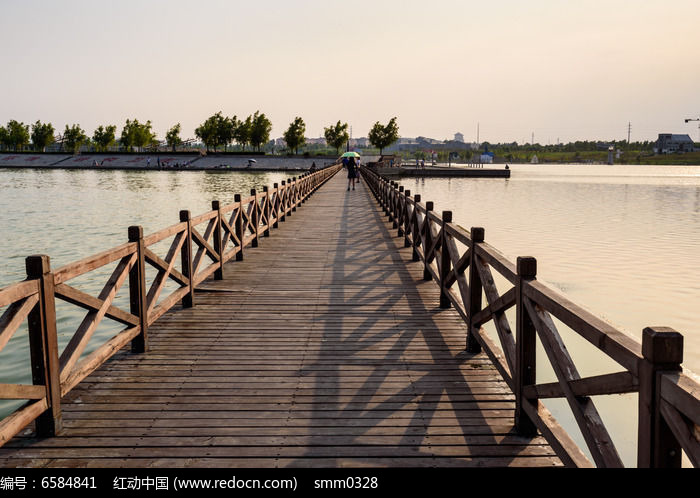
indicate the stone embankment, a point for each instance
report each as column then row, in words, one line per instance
column 162, row 161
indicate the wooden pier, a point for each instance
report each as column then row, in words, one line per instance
column 321, row 343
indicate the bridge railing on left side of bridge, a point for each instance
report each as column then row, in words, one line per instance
column 197, row 248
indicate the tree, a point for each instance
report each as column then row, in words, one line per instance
column 242, row 131
column 224, row 130
column 135, row 134
column 144, row 134
column 383, row 136
column 16, row 135
column 73, row 138
column 42, row 135
column 172, row 137
column 336, row 136
column 294, row 136
column 260, row 130
column 4, row 137
column 104, row 137
column 216, row 130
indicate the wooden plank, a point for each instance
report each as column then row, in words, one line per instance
column 618, row 346
column 13, row 317
column 90, row 263
column 89, row 303
column 616, row 383
column 167, row 265
column 97, row 358
column 21, row 391
column 154, row 238
column 687, row 434
column 18, row 420
column 18, row 291
column 682, row 392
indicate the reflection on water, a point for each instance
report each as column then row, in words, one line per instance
column 622, row 241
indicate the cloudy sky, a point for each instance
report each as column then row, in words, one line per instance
column 561, row 70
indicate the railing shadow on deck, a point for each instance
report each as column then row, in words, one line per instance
column 425, row 391
column 199, row 246
column 669, row 400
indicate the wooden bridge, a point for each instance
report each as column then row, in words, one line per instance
column 323, row 343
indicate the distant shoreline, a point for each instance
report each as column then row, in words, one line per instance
column 163, row 162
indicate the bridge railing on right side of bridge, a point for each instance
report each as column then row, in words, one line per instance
column 197, row 248
column 669, row 400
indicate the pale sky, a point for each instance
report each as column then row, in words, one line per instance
column 559, row 69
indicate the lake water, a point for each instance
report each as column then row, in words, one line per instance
column 622, row 241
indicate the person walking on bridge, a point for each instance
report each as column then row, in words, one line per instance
column 352, row 172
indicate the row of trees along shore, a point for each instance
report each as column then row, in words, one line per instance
column 215, row 132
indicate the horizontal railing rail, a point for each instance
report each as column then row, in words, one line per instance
column 198, row 248
column 464, row 266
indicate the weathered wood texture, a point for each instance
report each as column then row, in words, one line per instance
column 324, row 346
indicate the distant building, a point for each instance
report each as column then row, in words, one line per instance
column 316, row 141
column 428, row 141
column 406, row 141
column 459, row 137
column 359, row 142
column 669, row 143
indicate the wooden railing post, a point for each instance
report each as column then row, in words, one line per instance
column 218, row 241
column 137, row 290
column 43, row 345
column 240, row 230
column 295, row 193
column 392, row 202
column 386, row 191
column 406, row 221
column 427, row 241
column 662, row 349
column 283, row 201
column 389, row 188
column 276, row 207
column 445, row 261
column 416, row 228
column 397, row 209
column 525, row 343
column 186, row 259
column 290, row 196
column 267, row 198
column 255, row 218
column 475, row 290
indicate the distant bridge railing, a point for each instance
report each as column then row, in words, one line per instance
column 200, row 244
column 462, row 264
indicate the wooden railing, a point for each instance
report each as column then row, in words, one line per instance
column 201, row 245
column 669, row 400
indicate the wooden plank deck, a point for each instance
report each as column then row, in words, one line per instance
column 322, row 348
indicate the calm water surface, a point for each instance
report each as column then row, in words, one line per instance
column 622, row 241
